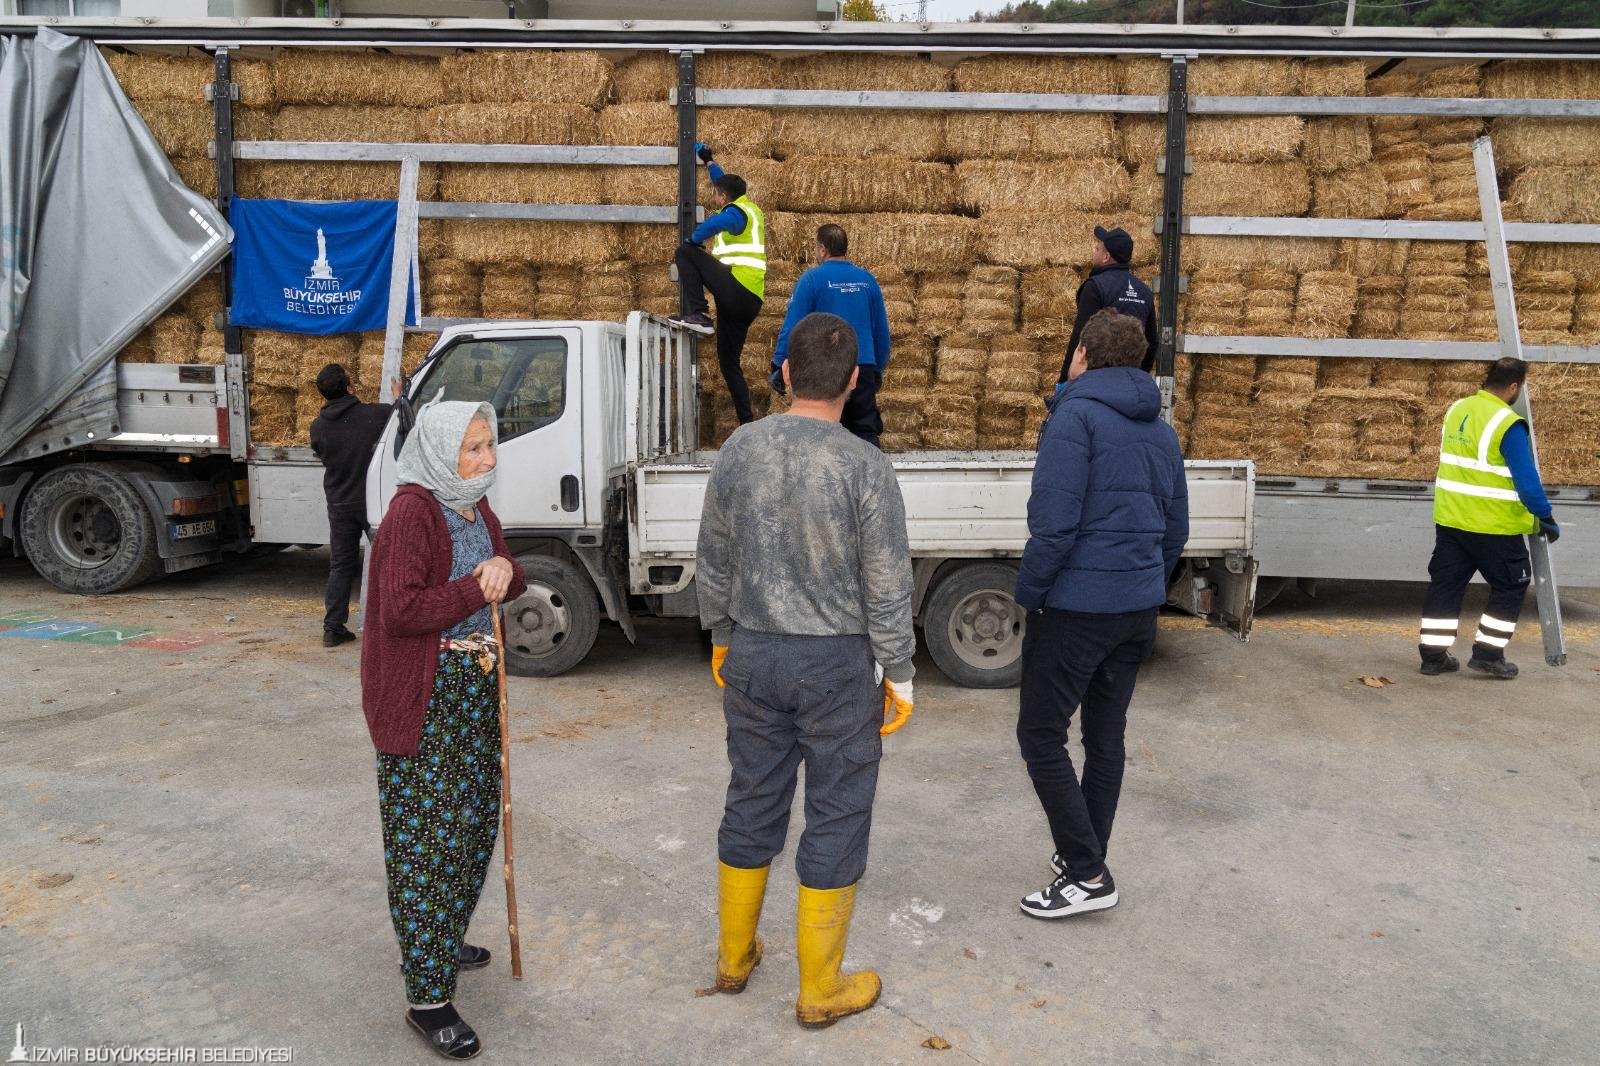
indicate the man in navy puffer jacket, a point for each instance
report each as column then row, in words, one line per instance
column 1107, row 521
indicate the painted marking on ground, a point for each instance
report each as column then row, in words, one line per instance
column 36, row 625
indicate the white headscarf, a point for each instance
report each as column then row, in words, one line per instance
column 431, row 453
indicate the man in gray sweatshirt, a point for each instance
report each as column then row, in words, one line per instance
column 804, row 579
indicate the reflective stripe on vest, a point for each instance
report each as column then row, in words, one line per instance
column 1473, row 489
column 745, row 253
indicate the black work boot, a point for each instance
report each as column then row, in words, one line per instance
column 332, row 638
column 1440, row 662
column 1498, row 668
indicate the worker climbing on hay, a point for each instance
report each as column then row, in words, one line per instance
column 839, row 287
column 1111, row 284
column 1487, row 496
column 734, row 271
column 804, row 578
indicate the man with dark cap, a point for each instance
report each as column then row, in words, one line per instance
column 1111, row 284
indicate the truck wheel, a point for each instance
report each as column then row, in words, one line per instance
column 552, row 626
column 87, row 530
column 974, row 628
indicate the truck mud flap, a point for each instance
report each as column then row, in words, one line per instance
column 1220, row 590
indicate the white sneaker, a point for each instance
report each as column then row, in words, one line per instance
column 1064, row 897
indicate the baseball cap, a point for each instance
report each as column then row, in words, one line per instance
column 1117, row 242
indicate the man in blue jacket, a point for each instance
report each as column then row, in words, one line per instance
column 839, row 287
column 1107, row 521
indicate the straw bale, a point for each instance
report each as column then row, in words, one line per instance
column 1266, row 76
column 272, row 415
column 1037, row 74
column 613, row 279
column 1097, row 185
column 1142, row 137
column 650, row 186
column 646, row 77
column 1267, row 321
column 552, row 243
column 1333, row 77
column 181, row 129
column 736, row 70
column 203, row 301
column 559, row 281
column 198, row 174
column 508, row 291
column 184, row 78
column 916, row 242
column 650, row 122
column 909, row 135
column 498, row 182
column 525, row 74
column 902, row 409
column 1257, row 280
column 737, row 131
column 557, row 307
column 1405, row 167
column 1537, row 78
column 1452, row 80
column 1374, row 258
column 511, row 122
column 871, row 184
column 451, row 289
column 1440, row 132
column 1011, row 238
column 1325, row 304
column 1343, row 374
column 293, row 180
column 863, row 70
column 341, row 123
column 319, row 76
column 1275, row 189
column 961, row 352
column 291, row 360
column 1245, row 139
column 1049, row 300
column 1334, row 144
column 1244, row 253
column 1437, row 257
column 1023, row 135
column 891, row 441
column 649, row 242
column 1452, row 209
column 1557, row 194
column 173, row 338
column 1362, row 192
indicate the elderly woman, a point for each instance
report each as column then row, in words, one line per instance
column 440, row 565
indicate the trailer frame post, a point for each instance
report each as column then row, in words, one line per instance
column 223, row 91
column 400, row 274
column 688, row 162
column 1546, row 594
column 1171, row 228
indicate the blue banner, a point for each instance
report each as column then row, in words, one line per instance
column 314, row 268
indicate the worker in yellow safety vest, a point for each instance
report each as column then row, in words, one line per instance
column 1487, row 497
column 735, row 272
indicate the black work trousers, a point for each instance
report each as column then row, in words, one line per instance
column 1502, row 559
column 346, row 527
column 861, row 415
column 1072, row 659
column 737, row 307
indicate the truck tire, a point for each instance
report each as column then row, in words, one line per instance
column 552, row 626
column 973, row 628
column 87, row 530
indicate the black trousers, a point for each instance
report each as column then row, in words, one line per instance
column 1502, row 559
column 861, row 415
column 737, row 307
column 1071, row 659
column 346, row 526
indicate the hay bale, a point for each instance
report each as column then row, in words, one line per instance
column 1556, row 194
column 174, row 338
column 560, row 281
column 181, row 129
column 1334, row 144
column 862, row 70
column 1362, row 192
column 338, row 123
column 1405, row 167
column 1452, row 80
column 908, row 135
column 292, row 360
column 272, row 416
column 1092, row 74
column 538, row 243
column 1437, row 257
column 645, row 78
column 293, row 180
column 511, row 122
column 938, row 302
column 736, row 70
column 185, row 78
column 1049, row 301
column 508, row 291
column 1241, row 76
column 325, row 76
column 1333, row 77
column 1025, row 135
column 937, row 243
column 504, row 183
column 1245, row 139
column 989, row 301
column 451, row 289
column 1274, row 189
column 582, row 78
column 203, row 302
column 1325, row 304
column 197, row 174
column 988, row 185
column 737, row 131
column 874, row 184
column 1374, row 258
column 613, row 281
column 1537, row 78
column 1245, row 253
column 650, row 122
column 1011, row 238
column 644, row 242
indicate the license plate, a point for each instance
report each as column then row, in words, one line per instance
column 180, row 530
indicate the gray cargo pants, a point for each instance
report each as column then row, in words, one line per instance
column 792, row 698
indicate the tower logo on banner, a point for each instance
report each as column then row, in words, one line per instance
column 320, row 293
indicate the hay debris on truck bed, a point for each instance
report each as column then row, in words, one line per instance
column 525, row 74
column 511, row 122
column 319, row 76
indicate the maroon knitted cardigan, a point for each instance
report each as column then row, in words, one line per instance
column 410, row 602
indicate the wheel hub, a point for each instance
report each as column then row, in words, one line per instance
column 986, row 630
column 84, row 531
column 538, row 622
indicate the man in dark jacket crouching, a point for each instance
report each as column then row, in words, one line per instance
column 1107, row 520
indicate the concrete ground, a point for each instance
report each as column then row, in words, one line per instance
column 1312, row 870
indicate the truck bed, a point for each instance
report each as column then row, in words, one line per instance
column 959, row 504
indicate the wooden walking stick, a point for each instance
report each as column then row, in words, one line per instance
column 505, row 801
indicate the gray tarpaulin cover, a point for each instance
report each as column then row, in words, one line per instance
column 98, row 235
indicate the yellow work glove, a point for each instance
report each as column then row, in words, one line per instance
column 718, row 654
column 897, row 704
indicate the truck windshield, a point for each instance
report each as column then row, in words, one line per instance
column 524, row 379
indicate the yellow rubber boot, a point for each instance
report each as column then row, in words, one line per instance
column 739, row 896
column 822, row 926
